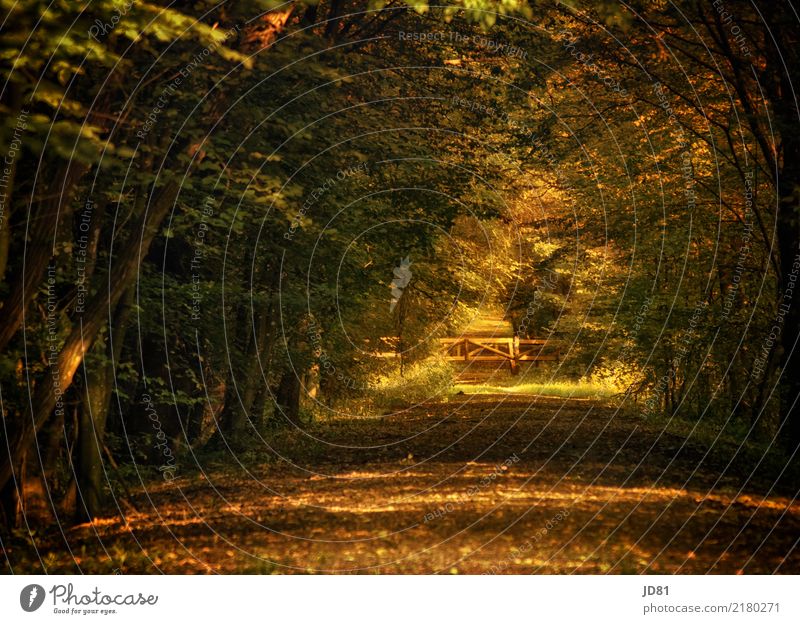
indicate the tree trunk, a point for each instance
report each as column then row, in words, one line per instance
column 241, row 400
column 44, row 227
column 10, row 496
column 232, row 413
column 94, row 412
column 287, row 398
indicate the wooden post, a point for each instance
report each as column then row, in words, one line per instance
column 513, row 346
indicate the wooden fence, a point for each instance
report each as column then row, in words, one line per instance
column 514, row 350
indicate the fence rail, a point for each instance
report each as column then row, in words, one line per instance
column 514, row 350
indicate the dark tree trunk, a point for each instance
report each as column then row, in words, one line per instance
column 243, row 393
column 44, row 224
column 93, row 415
column 10, row 496
column 233, row 414
column 287, row 398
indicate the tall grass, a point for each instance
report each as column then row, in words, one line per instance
column 561, row 389
column 391, row 390
column 539, row 382
column 422, row 380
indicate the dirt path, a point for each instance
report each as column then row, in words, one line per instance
column 482, row 484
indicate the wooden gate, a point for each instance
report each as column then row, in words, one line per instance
column 513, row 349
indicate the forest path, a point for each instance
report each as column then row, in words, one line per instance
column 479, row 484
column 490, row 324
